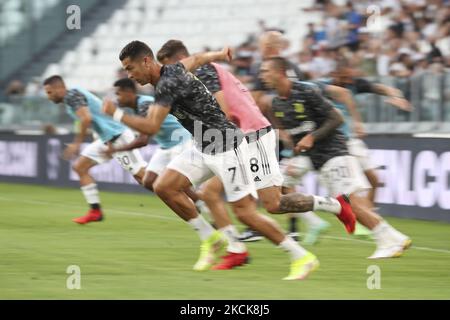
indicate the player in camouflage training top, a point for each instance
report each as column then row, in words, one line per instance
column 239, row 106
column 313, row 123
column 220, row 150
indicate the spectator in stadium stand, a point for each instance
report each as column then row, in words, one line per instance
column 15, row 89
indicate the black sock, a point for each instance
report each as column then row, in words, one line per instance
column 95, row 206
column 293, row 224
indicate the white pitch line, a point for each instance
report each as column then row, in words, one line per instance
column 155, row 216
column 371, row 242
column 131, row 213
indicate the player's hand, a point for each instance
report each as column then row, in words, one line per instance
column 400, row 103
column 306, row 143
column 358, row 128
column 227, row 54
column 108, row 107
column 72, row 150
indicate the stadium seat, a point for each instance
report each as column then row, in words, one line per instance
column 195, row 22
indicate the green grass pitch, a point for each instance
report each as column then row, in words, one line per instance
column 143, row 251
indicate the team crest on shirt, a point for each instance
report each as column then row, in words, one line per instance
column 179, row 115
column 306, row 126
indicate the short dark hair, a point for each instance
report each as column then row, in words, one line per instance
column 170, row 49
column 280, row 63
column 125, row 83
column 135, row 49
column 53, row 79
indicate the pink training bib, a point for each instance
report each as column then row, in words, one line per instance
column 242, row 108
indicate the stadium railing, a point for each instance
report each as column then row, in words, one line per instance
column 429, row 93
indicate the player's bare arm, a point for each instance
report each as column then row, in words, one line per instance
column 196, row 60
column 139, row 142
column 219, row 95
column 334, row 120
column 149, row 125
column 85, row 122
column 396, row 97
column 344, row 96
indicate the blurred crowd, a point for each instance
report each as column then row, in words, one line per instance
column 400, row 38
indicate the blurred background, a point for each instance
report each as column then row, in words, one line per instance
column 401, row 43
column 405, row 44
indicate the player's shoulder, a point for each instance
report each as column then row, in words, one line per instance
column 74, row 91
column 206, row 69
column 75, row 95
column 305, row 87
column 143, row 99
column 171, row 70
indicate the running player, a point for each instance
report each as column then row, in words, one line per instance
column 238, row 105
column 312, row 121
column 347, row 77
column 172, row 138
column 220, row 149
column 84, row 106
column 271, row 44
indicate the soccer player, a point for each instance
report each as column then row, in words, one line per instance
column 84, row 106
column 220, row 149
column 347, row 77
column 313, row 122
column 238, row 105
column 272, row 44
column 172, row 137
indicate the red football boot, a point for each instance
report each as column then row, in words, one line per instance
column 93, row 215
column 232, row 260
column 346, row 215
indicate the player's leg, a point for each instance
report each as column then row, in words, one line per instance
column 90, row 157
column 132, row 160
column 372, row 177
column 212, row 195
column 241, row 193
column 170, row 188
column 343, row 174
column 182, row 172
column 358, row 149
column 270, row 180
column 149, row 179
column 156, row 166
column 314, row 224
column 293, row 170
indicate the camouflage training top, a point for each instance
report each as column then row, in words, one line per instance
column 304, row 111
column 196, row 109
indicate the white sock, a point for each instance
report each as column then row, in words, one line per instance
column 326, row 204
column 394, row 233
column 90, row 193
column 379, row 228
column 204, row 210
column 311, row 219
column 203, row 228
column 381, row 234
column 294, row 249
column 234, row 245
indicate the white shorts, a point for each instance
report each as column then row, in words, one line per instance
column 343, row 175
column 358, row 149
column 162, row 157
column 231, row 168
column 294, row 169
column 263, row 162
column 131, row 161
